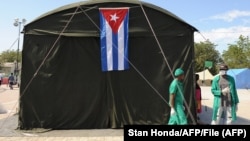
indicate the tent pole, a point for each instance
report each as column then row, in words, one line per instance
column 204, row 76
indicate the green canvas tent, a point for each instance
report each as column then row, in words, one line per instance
column 63, row 87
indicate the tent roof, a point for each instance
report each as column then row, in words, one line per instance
column 241, row 77
column 236, row 71
column 206, row 74
column 89, row 2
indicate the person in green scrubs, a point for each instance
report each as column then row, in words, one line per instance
column 226, row 99
column 176, row 99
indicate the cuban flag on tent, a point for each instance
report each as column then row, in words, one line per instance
column 114, row 38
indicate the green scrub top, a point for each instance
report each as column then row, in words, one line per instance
column 176, row 87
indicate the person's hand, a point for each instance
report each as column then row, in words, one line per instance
column 225, row 90
column 172, row 111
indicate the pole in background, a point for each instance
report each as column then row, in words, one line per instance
column 18, row 23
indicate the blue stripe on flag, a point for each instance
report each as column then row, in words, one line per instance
column 103, row 44
column 115, row 47
column 126, row 63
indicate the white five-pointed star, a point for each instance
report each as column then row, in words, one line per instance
column 114, row 17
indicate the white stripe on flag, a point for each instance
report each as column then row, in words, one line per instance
column 109, row 47
column 121, row 47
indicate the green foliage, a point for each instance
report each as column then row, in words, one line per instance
column 10, row 56
column 238, row 55
column 205, row 51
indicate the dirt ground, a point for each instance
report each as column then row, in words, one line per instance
column 9, row 120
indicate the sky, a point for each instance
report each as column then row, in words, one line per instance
column 219, row 21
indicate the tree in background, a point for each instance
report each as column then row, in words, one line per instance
column 205, row 51
column 9, row 56
column 238, row 55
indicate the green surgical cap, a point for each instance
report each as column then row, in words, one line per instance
column 178, row 72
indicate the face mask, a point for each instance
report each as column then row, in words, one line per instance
column 223, row 72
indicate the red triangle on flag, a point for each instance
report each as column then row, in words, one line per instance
column 114, row 16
